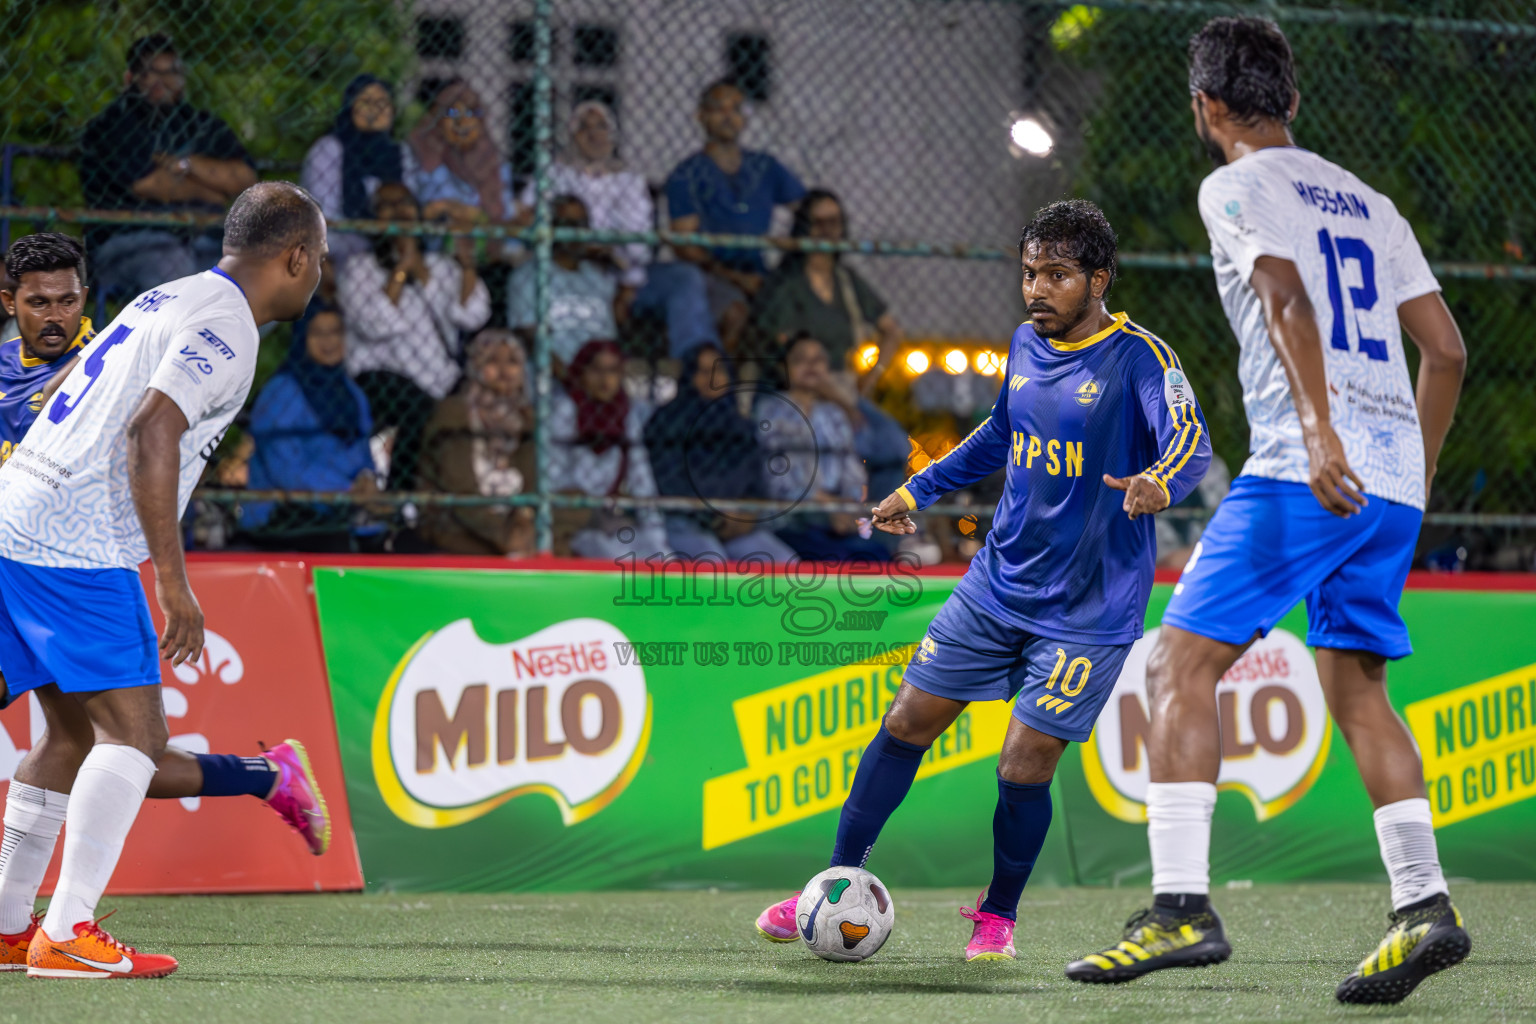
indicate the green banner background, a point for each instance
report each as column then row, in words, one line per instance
column 651, row 835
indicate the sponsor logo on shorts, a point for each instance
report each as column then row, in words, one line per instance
column 1275, row 731
column 464, row 726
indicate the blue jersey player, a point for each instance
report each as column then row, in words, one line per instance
column 1096, row 428
column 1320, row 277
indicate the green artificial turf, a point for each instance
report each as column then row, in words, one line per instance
column 694, row 956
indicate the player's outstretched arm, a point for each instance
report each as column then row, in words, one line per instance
column 154, row 470
column 982, row 452
column 1293, row 332
column 1178, row 428
column 1442, row 363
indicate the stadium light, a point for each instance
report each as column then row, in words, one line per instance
column 867, row 357
column 1030, row 136
column 988, row 363
column 954, row 361
column 917, row 361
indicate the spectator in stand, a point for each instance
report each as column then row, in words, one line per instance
column 478, row 442
column 597, row 448
column 405, row 309
column 455, row 170
column 618, row 199
column 344, row 168
column 812, row 457
column 582, row 294
column 816, row 293
column 150, row 151
column 701, row 446
column 728, row 190
column 311, row 425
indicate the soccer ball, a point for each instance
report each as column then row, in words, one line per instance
column 845, row 914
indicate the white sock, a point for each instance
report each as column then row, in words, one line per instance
column 1179, row 833
column 33, row 818
column 107, row 793
column 1406, row 833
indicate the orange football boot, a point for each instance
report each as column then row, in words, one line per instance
column 13, row 948
column 92, row 953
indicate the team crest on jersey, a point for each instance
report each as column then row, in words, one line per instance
column 35, row 403
column 927, row 650
column 1087, row 392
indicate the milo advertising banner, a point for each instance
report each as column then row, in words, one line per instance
column 511, row 730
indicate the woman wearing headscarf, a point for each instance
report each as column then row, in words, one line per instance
column 456, row 171
column 597, row 448
column 311, row 426
column 618, row 199
column 344, row 167
column 701, row 446
column 478, row 442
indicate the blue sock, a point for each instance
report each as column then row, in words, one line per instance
column 1022, row 818
column 884, row 775
column 229, row 775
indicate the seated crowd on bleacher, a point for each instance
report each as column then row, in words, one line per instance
column 412, row 370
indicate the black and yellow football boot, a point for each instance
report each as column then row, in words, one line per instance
column 1425, row 937
column 1156, row 938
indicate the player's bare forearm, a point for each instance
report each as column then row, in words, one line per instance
column 154, row 468
column 1442, row 364
column 1292, row 326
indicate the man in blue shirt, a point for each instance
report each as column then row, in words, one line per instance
column 725, row 189
column 1096, row 428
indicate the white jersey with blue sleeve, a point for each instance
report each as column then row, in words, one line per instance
column 1359, row 261
column 64, row 497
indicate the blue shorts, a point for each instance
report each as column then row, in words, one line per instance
column 1270, row 544
column 969, row 655
column 85, row 629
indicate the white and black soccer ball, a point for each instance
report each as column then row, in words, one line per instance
column 845, row 914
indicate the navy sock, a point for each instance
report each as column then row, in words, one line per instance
column 884, row 775
column 229, row 775
column 1019, row 824
column 1185, row 902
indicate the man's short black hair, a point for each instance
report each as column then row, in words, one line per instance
column 147, row 48
column 269, row 217
column 719, row 83
column 1076, row 230
column 1247, row 64
column 44, row 251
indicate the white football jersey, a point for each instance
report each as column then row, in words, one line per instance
column 1359, row 261
column 64, row 499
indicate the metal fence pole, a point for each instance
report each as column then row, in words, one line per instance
column 542, row 256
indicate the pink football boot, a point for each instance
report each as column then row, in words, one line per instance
column 992, row 936
column 777, row 923
column 296, row 797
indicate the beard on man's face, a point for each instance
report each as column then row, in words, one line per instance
column 1212, row 147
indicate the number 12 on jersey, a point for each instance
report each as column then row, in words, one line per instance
column 1363, row 298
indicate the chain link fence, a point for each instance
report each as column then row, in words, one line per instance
column 526, row 242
